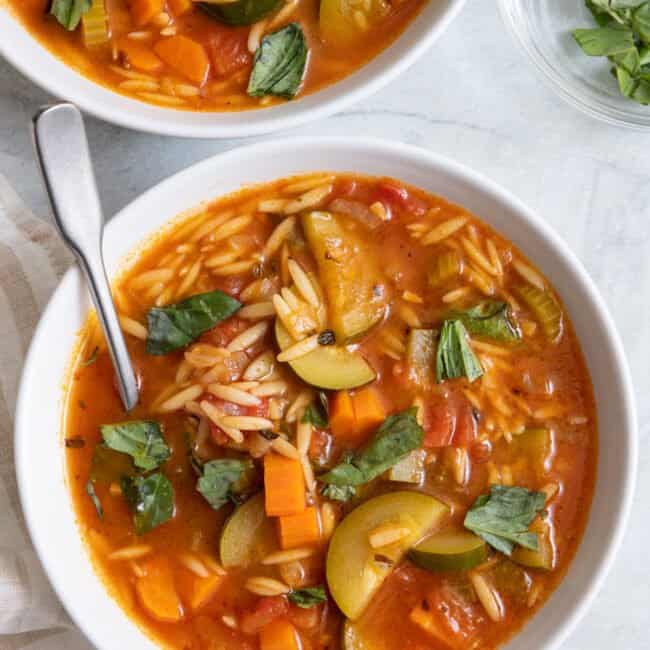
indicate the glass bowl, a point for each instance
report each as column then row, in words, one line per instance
column 543, row 30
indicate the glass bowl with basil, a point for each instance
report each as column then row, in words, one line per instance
column 594, row 53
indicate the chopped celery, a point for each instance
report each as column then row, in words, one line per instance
column 94, row 25
column 544, row 556
column 545, row 309
column 445, row 267
column 409, row 469
column 421, row 353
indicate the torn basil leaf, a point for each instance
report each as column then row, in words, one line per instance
column 308, row 596
column 240, row 12
column 502, row 518
column 109, row 466
column 279, row 63
column 316, row 412
column 396, row 438
column 491, row 319
column 90, row 491
column 151, row 500
column 69, row 12
column 604, row 41
column 175, row 326
column 219, row 481
column 141, row 439
column 455, row 358
column 341, row 493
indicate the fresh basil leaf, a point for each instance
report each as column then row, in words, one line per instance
column 502, row 518
column 641, row 21
column 604, row 41
column 491, row 319
column 629, row 60
column 341, row 493
column 90, row 491
column 308, row 596
column 396, row 438
column 602, row 15
column 316, row 414
column 109, row 466
column 219, row 480
column 175, row 326
column 279, row 63
column 240, row 12
column 69, row 12
column 455, row 358
column 141, row 439
column 151, row 499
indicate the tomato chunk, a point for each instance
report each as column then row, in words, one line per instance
column 398, row 196
column 264, row 611
column 228, row 51
column 449, row 421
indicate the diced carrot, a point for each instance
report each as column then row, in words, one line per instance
column 143, row 11
column 369, row 411
column 279, row 635
column 284, row 486
column 198, row 591
column 157, row 591
column 299, row 530
column 179, row 7
column 342, row 421
column 139, row 56
column 186, row 56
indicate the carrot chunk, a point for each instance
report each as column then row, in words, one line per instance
column 198, row 591
column 342, row 421
column 139, row 56
column 284, row 486
column 279, row 635
column 157, row 591
column 369, row 411
column 186, row 56
column 179, row 7
column 143, row 11
column 299, row 530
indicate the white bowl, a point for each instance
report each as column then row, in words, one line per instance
column 36, row 62
column 39, row 450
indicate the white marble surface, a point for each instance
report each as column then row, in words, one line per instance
column 474, row 98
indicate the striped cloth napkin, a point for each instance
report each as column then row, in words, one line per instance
column 32, row 260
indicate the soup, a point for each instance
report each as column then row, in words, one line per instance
column 365, row 423
column 216, row 56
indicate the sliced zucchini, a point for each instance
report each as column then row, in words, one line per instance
column 350, row 275
column 351, row 638
column 421, row 354
column 247, row 535
column 329, row 366
column 544, row 556
column 536, row 445
column 545, row 309
column 444, row 267
column 449, row 551
column 353, row 572
column 239, row 12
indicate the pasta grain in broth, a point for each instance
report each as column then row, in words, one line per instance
column 365, row 421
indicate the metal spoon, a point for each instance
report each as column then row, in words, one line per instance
column 62, row 151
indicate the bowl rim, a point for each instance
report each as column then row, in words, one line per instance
column 164, row 121
column 409, row 154
column 554, row 81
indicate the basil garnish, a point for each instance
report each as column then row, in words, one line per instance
column 69, row 12
column 397, row 437
column 317, row 412
column 151, row 499
column 240, row 12
column 175, row 326
column 279, row 63
column 489, row 318
column 502, row 517
column 341, row 493
column 219, row 479
column 455, row 358
column 141, row 439
column 308, row 597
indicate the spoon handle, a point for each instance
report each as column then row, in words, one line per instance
column 62, row 151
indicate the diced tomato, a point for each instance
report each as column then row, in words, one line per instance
column 224, row 332
column 264, row 611
column 218, row 435
column 320, row 446
column 261, row 410
column 347, row 187
column 398, row 196
column 480, row 451
column 305, row 618
column 228, row 51
column 449, row 421
column 232, row 284
column 459, row 616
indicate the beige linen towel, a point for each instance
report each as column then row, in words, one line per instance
column 32, row 260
